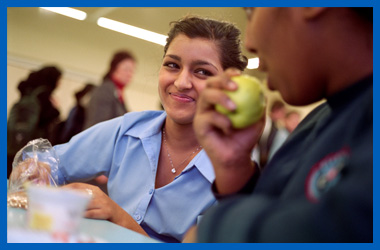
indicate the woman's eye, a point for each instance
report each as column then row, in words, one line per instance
column 171, row 65
column 204, row 72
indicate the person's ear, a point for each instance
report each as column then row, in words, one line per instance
column 313, row 12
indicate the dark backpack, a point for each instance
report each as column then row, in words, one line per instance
column 23, row 121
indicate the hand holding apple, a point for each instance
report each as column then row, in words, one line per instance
column 249, row 100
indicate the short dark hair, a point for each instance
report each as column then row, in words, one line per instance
column 364, row 12
column 225, row 35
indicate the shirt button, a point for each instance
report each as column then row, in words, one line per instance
column 151, row 191
column 138, row 217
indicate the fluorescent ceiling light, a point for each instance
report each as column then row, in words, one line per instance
column 253, row 63
column 70, row 12
column 132, row 31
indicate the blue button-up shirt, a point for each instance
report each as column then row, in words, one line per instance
column 127, row 149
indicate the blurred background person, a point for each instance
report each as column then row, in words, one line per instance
column 274, row 134
column 277, row 113
column 107, row 101
column 76, row 118
column 292, row 119
column 35, row 114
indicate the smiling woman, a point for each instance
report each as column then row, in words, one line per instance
column 182, row 76
column 158, row 173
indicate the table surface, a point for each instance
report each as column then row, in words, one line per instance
column 96, row 229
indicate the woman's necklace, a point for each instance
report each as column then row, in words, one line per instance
column 170, row 158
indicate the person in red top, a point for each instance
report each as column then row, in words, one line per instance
column 107, row 100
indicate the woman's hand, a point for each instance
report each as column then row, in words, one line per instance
column 229, row 149
column 103, row 207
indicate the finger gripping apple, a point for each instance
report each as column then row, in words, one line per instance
column 249, row 101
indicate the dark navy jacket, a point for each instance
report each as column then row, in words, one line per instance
column 317, row 188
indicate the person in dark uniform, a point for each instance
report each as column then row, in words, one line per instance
column 318, row 187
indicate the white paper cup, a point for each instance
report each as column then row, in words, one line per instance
column 56, row 210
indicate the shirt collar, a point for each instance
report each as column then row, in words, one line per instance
column 204, row 165
column 150, row 123
column 347, row 95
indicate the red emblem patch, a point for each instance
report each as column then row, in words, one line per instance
column 325, row 174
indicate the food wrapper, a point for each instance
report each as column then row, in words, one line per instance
column 37, row 164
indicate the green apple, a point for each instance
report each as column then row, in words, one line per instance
column 249, row 101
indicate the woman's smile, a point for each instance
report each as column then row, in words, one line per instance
column 181, row 97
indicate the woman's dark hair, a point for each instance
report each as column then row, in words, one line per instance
column 47, row 76
column 116, row 59
column 224, row 34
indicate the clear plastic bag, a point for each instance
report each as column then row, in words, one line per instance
column 37, row 164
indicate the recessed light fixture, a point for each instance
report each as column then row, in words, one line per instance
column 132, row 31
column 253, row 63
column 70, row 12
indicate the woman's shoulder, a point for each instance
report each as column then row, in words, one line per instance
column 136, row 119
column 137, row 124
column 142, row 116
column 149, row 120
